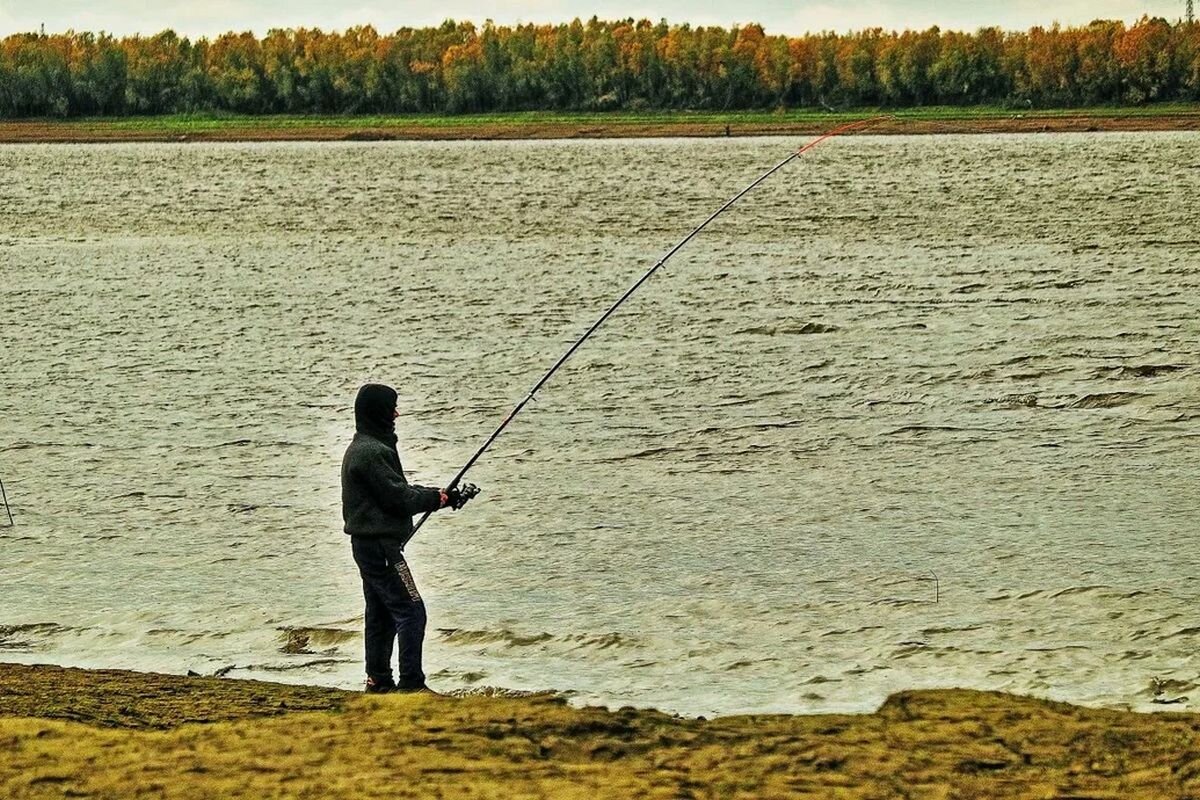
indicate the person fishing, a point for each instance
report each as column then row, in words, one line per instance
column 378, row 504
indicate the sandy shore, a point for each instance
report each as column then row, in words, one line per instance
column 110, row 734
column 349, row 129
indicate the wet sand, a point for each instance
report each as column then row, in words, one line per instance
column 76, row 733
column 347, row 129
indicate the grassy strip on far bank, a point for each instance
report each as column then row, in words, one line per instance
column 541, row 125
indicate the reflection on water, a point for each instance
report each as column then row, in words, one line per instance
column 973, row 359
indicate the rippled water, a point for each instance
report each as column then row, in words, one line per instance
column 975, row 358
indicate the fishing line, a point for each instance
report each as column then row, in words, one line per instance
column 850, row 126
column 4, row 497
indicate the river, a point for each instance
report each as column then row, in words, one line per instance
column 918, row 412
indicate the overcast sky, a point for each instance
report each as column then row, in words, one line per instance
column 210, row 17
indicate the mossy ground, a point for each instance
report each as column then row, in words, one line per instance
column 137, row 735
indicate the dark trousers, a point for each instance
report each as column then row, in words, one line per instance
column 395, row 611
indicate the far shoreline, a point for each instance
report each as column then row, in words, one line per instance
column 610, row 125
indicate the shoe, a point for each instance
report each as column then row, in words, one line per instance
column 422, row 689
column 379, row 687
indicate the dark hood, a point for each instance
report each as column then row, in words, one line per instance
column 374, row 412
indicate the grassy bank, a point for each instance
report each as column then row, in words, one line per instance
column 120, row 734
column 550, row 125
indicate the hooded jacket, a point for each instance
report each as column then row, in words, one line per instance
column 377, row 500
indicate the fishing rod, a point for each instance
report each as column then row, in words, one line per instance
column 850, row 126
column 4, row 497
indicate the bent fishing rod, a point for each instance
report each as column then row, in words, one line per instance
column 851, row 126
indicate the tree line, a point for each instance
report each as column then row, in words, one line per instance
column 459, row 67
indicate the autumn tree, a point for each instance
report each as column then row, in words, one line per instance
column 458, row 67
column 1146, row 61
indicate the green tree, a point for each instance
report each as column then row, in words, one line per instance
column 165, row 74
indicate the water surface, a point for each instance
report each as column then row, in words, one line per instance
column 973, row 359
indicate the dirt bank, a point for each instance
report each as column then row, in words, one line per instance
column 75, row 733
column 346, row 129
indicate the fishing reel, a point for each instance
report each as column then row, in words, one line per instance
column 459, row 495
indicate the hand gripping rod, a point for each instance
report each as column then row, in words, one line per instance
column 857, row 125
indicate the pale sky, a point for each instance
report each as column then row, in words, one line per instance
column 195, row 18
